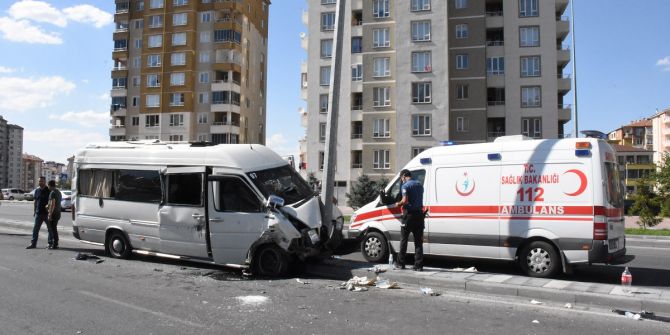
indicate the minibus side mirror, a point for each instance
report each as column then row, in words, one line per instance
column 274, row 202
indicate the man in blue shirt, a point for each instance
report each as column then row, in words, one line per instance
column 412, row 219
column 40, row 211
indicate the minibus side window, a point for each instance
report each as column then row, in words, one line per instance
column 613, row 183
column 234, row 195
column 184, row 189
column 125, row 185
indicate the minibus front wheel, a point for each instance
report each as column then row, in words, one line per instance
column 271, row 261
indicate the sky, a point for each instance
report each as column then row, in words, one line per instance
column 56, row 60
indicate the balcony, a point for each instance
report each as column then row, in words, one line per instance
column 305, row 17
column 117, row 130
column 564, row 83
column 116, row 108
column 304, row 118
column 223, row 85
column 216, row 107
column 120, row 53
column 492, row 135
column 118, row 92
column 564, row 112
column 562, row 27
column 224, row 128
column 234, row 5
column 495, row 109
column 563, row 55
column 561, row 5
column 304, row 41
column 494, row 19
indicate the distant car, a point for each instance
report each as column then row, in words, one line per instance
column 66, row 202
column 30, row 196
column 13, row 194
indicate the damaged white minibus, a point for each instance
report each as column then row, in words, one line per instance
column 236, row 205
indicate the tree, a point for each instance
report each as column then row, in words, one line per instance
column 363, row 191
column 662, row 179
column 647, row 205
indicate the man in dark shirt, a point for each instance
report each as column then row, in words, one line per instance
column 412, row 219
column 39, row 211
column 53, row 210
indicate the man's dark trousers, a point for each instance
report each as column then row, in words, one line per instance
column 39, row 218
column 412, row 222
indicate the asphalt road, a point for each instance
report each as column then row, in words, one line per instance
column 49, row 292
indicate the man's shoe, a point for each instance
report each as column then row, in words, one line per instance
column 31, row 246
column 50, row 246
column 397, row 266
column 418, row 269
column 54, row 247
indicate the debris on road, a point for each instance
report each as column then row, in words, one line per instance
column 535, row 321
column 386, row 284
column 535, row 302
column 377, row 269
column 82, row 256
column 429, row 291
column 642, row 315
column 358, row 284
column 304, row 282
column 471, row 269
column 568, row 306
column 252, row 300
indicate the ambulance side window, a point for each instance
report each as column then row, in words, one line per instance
column 394, row 191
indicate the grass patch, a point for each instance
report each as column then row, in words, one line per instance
column 653, row 232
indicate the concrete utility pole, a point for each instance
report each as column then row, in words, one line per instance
column 574, row 68
column 330, row 154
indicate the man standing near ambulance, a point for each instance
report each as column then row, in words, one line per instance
column 412, row 219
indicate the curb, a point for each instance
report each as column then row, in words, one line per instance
column 559, row 291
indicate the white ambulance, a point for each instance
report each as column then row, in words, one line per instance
column 547, row 204
column 237, row 205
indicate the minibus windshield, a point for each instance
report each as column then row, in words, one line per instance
column 282, row 181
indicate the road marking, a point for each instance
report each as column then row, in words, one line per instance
column 6, row 269
column 652, row 248
column 141, row 309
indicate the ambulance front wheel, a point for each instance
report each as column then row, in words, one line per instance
column 375, row 247
column 539, row 259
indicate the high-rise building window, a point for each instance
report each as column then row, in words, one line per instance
column 323, row 103
column 356, row 129
column 177, row 99
column 204, row 77
column 205, row 17
column 138, row 24
column 120, row 45
column 420, row 5
column 381, row 96
column 153, row 100
column 417, row 150
column 356, row 159
column 327, row 48
column 155, row 4
column 324, row 78
column 205, row 37
column 138, row 43
column 462, row 62
column 381, row 38
column 179, row 19
column 179, row 39
column 495, row 65
column 421, row 92
column 135, row 101
column 154, row 60
column 530, row 66
column 135, row 121
column 421, row 31
column 531, row 127
column 462, row 124
column 381, row 159
column 420, row 125
column 381, row 128
column 180, row 2
column 462, row 30
column 322, row 132
column 153, row 80
column 357, row 72
column 227, row 35
column 421, row 61
column 176, row 120
column 328, row 21
column 356, row 45
column 202, row 118
column 203, row 98
column 460, row 4
column 178, row 58
column 177, row 78
column 176, row 138
column 528, row 8
column 462, row 91
column 155, row 21
column 381, row 8
column 382, row 67
column 136, row 81
column 322, row 159
column 155, row 41
column 328, row 2
column 139, row 6
column 529, row 36
column 531, row 96
column 203, row 57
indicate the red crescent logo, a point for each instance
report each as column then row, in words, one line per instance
column 465, row 194
column 582, row 180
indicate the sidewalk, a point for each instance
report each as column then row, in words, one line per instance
column 560, row 291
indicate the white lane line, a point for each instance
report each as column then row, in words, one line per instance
column 141, row 309
column 6, row 269
column 649, row 248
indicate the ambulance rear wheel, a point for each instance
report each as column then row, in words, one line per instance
column 539, row 259
column 375, row 247
column 271, row 261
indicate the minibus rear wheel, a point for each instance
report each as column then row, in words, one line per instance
column 117, row 245
column 271, row 261
column 539, row 259
column 375, row 247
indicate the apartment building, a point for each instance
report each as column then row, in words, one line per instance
column 637, row 134
column 420, row 72
column 31, row 171
column 11, row 148
column 634, row 163
column 661, row 134
column 190, row 70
